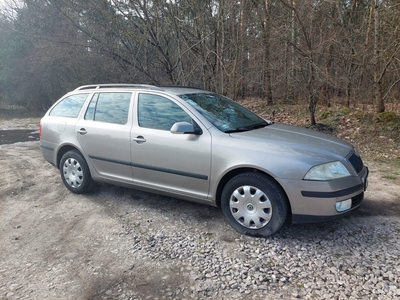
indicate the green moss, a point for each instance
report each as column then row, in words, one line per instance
column 391, row 177
column 359, row 115
column 346, row 110
column 325, row 115
column 386, row 117
column 396, row 162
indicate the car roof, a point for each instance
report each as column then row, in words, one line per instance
column 178, row 90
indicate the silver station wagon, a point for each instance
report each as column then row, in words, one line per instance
column 196, row 145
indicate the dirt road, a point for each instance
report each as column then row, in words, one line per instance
column 109, row 244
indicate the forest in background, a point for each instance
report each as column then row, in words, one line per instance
column 308, row 52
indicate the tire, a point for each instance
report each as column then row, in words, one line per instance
column 254, row 204
column 75, row 172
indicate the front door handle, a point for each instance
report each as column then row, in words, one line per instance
column 139, row 139
column 82, row 131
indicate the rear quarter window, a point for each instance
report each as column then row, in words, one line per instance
column 69, row 107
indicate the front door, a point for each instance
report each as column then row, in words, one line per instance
column 177, row 163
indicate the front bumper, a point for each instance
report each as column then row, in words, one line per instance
column 313, row 201
column 300, row 218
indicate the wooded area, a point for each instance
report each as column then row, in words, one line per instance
column 293, row 51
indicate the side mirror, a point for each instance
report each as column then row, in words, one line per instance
column 184, row 128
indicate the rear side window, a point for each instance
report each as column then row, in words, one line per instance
column 109, row 108
column 69, row 106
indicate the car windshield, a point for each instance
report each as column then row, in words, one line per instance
column 224, row 113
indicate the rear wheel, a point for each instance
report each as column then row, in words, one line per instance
column 254, row 204
column 75, row 172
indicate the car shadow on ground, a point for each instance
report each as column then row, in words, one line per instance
column 116, row 200
column 148, row 207
column 378, row 208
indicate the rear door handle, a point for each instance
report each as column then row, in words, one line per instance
column 139, row 139
column 82, row 131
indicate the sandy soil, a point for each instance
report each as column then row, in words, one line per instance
column 58, row 245
column 55, row 244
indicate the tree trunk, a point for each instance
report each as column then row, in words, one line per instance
column 292, row 52
column 380, row 105
column 267, row 55
column 312, row 97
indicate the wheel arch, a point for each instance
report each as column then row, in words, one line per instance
column 64, row 149
column 228, row 176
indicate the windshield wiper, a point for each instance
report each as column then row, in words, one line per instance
column 249, row 127
column 262, row 124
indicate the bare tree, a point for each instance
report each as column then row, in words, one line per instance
column 265, row 19
column 307, row 51
column 383, row 61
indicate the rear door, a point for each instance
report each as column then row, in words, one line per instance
column 104, row 134
column 177, row 163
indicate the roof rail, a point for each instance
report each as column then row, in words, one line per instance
column 110, row 86
column 181, row 86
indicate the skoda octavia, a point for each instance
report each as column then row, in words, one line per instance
column 200, row 146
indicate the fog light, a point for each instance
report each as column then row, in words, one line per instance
column 343, row 205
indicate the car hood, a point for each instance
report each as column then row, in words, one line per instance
column 282, row 136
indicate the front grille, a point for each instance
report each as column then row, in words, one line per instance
column 356, row 162
column 356, row 200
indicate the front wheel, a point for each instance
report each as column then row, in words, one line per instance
column 75, row 172
column 254, row 204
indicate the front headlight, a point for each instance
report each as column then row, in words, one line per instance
column 332, row 170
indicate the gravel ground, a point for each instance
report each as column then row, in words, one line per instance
column 117, row 243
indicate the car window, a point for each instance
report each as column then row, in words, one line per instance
column 224, row 113
column 69, row 106
column 89, row 115
column 158, row 112
column 109, row 107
